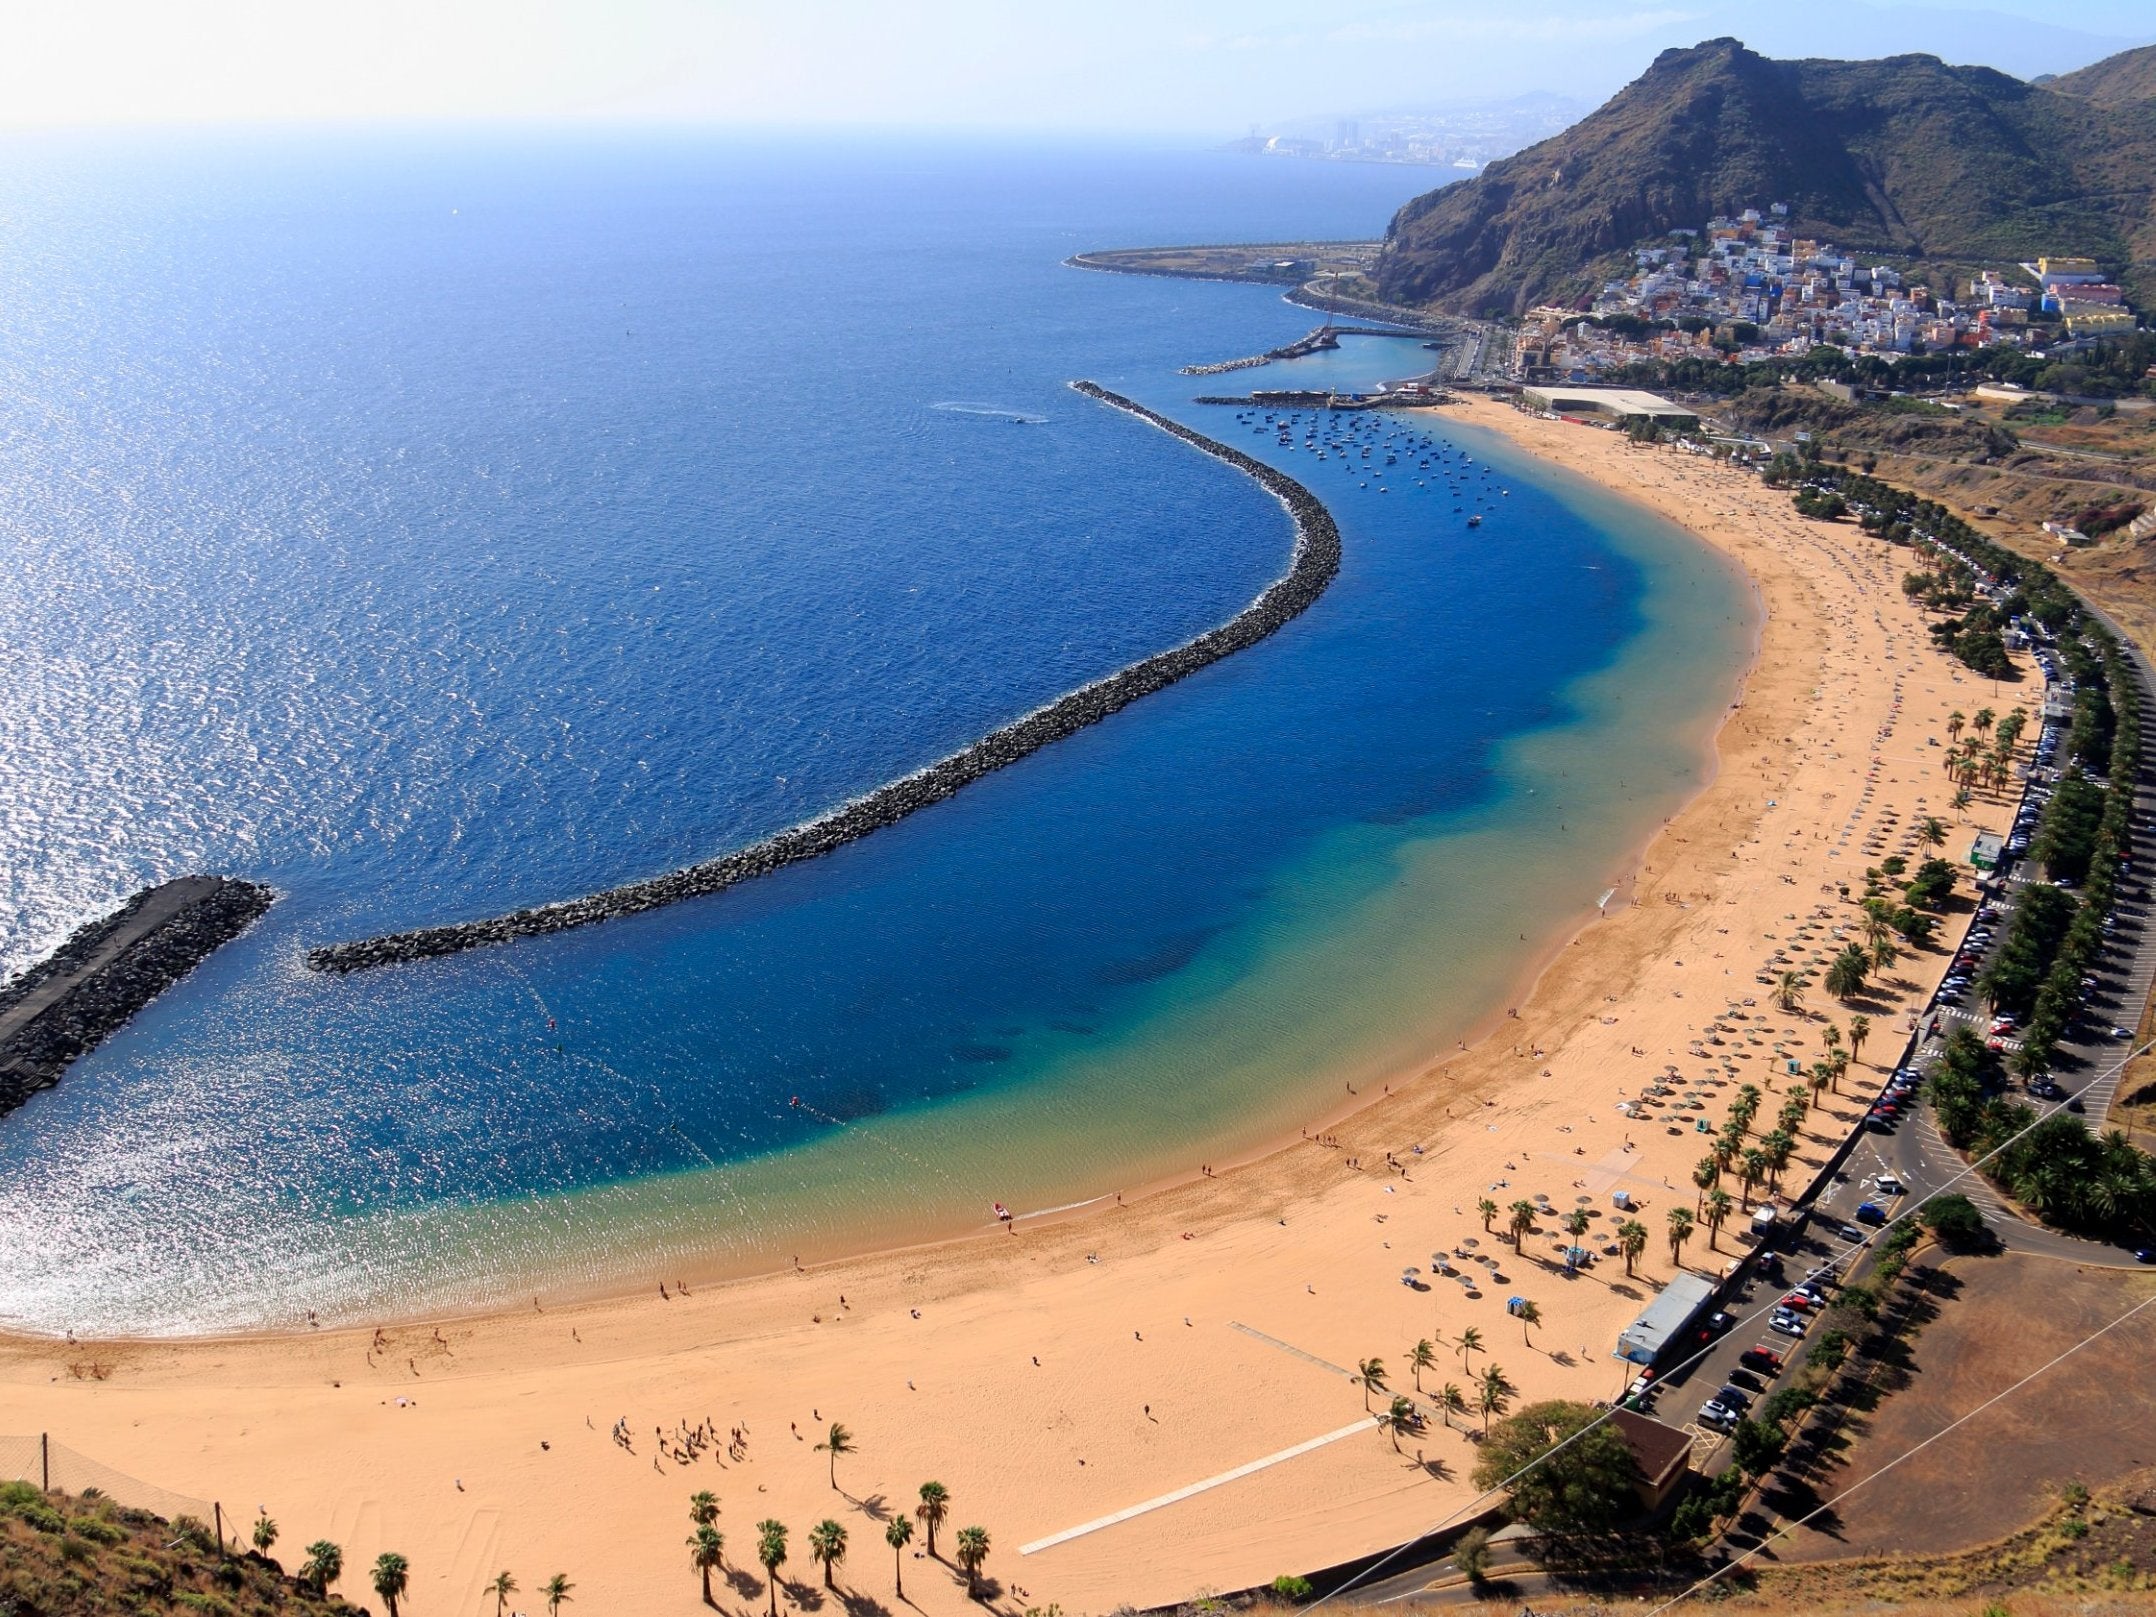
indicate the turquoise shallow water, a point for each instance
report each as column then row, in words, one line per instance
column 431, row 529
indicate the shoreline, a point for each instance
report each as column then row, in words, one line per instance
column 1106, row 1363
column 1312, row 565
column 1620, row 874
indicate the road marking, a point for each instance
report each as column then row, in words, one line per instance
column 1364, row 1425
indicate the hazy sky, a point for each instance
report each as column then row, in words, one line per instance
column 1198, row 66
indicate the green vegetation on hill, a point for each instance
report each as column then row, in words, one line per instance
column 2128, row 76
column 65, row 1555
column 1906, row 157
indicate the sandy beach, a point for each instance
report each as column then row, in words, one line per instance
column 1154, row 1399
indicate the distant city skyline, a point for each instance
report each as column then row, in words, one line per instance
column 1201, row 67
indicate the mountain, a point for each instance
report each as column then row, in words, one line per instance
column 2114, row 81
column 1904, row 157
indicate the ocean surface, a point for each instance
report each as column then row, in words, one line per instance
column 434, row 524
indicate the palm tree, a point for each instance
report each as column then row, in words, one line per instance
column 324, row 1566
column 898, row 1533
column 1576, row 1222
column 1847, row 971
column 1529, row 1316
column 1960, row 801
column 1523, row 1220
column 392, row 1576
column 556, row 1593
column 1632, row 1237
column 1984, row 720
column 1820, row 1076
column 1789, row 991
column 1450, row 1401
column 1954, row 722
column 1706, row 1176
column 1883, row 953
column 1718, row 1208
column 972, row 1551
column 1370, row 1375
column 707, row 1549
column 840, row 1441
column 1492, row 1394
column 1396, row 1419
column 1680, row 1231
column 1831, row 1037
column 703, row 1507
column 1470, row 1342
column 501, row 1589
column 1778, row 1148
column 265, row 1533
column 1933, row 830
column 1419, row 1358
column 1488, row 1210
column 1751, row 1168
column 771, row 1551
column 827, row 1543
column 935, row 1505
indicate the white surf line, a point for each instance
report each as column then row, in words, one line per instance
column 1367, row 1423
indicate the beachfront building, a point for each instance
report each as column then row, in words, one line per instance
column 1622, row 405
column 1662, row 1453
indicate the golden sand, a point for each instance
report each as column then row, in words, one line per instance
column 1196, row 1343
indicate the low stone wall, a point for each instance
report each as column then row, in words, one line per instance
column 1315, row 562
column 85, row 991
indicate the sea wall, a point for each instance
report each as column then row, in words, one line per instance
column 1313, row 565
column 85, row 991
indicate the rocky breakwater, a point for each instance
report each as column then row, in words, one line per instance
column 1314, row 564
column 79, row 996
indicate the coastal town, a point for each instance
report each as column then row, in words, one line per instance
column 1749, row 288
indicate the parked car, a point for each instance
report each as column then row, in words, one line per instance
column 1734, row 1398
column 1787, row 1324
column 1745, row 1378
column 1714, row 1415
column 1763, row 1359
column 1871, row 1213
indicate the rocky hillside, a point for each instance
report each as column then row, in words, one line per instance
column 1906, row 157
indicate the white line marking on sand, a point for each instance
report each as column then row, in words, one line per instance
column 1290, row 1347
column 1367, row 1423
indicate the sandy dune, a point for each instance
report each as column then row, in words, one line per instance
column 1068, row 1373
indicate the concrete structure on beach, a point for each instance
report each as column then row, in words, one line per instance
column 1623, row 405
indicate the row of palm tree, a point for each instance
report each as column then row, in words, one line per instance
column 827, row 1540
column 1492, row 1388
column 555, row 1592
column 391, row 1574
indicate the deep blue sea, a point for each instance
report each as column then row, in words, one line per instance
column 433, row 524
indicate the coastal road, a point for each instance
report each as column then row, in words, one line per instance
column 2089, row 1059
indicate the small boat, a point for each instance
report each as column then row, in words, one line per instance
column 1475, row 521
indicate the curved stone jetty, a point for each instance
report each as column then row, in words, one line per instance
column 84, row 992
column 1315, row 562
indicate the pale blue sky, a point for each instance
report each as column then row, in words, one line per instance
column 1208, row 67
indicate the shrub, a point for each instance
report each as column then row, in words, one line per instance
column 96, row 1531
column 1292, row 1587
column 1472, row 1554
